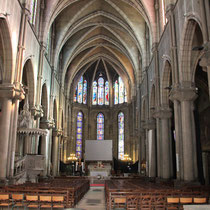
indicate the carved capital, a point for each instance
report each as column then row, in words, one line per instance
column 57, row 132
column 183, row 93
column 47, row 124
column 205, row 59
column 37, row 111
column 162, row 112
column 150, row 124
column 12, row 91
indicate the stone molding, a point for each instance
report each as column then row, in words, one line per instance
column 12, row 91
column 32, row 131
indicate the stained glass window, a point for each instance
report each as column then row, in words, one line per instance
column 33, row 8
column 100, row 92
column 75, row 95
column 116, row 92
column 126, row 98
column 95, row 93
column 107, row 93
column 80, row 94
column 79, row 91
column 79, row 135
column 100, row 126
column 121, row 137
column 85, row 92
column 120, row 93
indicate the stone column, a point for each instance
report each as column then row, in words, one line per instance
column 151, row 126
column 4, row 131
column 205, row 157
column 27, row 144
column 164, row 114
column 44, row 151
column 55, row 152
column 186, row 96
column 142, row 145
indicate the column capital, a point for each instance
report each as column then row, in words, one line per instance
column 162, row 112
column 57, row 132
column 12, row 91
column 150, row 124
column 47, row 124
column 37, row 111
column 183, row 93
column 205, row 59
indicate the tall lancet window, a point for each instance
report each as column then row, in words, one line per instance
column 100, row 126
column 120, row 93
column 80, row 94
column 33, row 9
column 79, row 135
column 107, row 93
column 121, row 136
column 100, row 92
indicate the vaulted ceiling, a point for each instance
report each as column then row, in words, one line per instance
column 115, row 32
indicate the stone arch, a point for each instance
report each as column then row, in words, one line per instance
column 44, row 101
column 166, row 83
column 28, row 80
column 186, row 48
column 6, row 57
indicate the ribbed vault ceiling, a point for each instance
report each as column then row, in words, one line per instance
column 88, row 32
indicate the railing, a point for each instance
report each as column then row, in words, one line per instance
column 20, row 166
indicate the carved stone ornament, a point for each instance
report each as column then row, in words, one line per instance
column 24, row 119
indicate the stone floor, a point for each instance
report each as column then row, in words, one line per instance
column 94, row 199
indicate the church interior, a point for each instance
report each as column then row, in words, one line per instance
column 105, row 95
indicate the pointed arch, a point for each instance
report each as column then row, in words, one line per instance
column 28, row 80
column 166, row 83
column 55, row 113
column 6, row 56
column 186, row 48
column 44, row 101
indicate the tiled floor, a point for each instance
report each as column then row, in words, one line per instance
column 94, row 199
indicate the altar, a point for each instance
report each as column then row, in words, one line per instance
column 99, row 169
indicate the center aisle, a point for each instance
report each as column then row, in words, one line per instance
column 94, row 199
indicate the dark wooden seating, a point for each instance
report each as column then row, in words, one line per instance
column 18, row 201
column 200, row 200
column 58, row 201
column 172, row 203
column 5, row 200
column 45, row 201
column 32, row 201
column 119, row 203
column 142, row 193
column 69, row 190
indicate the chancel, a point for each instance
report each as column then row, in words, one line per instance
column 106, row 97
